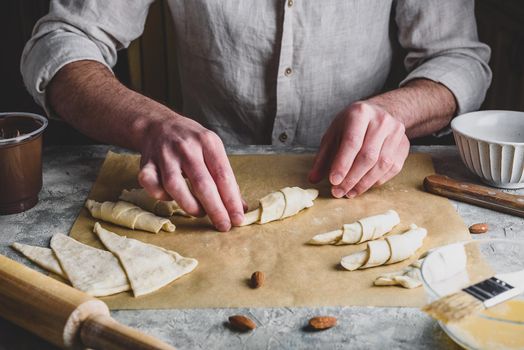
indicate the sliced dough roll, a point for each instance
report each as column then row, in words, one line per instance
column 281, row 204
column 128, row 215
column 362, row 230
column 390, row 250
column 378, row 253
column 148, row 267
column 403, row 246
column 43, row 257
column 139, row 197
column 94, row 271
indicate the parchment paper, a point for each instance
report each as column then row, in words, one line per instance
column 296, row 274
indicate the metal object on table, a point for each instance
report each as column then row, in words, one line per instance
column 21, row 160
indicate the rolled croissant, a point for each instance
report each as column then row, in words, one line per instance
column 139, row 197
column 128, row 215
column 281, row 204
column 386, row 251
column 360, row 231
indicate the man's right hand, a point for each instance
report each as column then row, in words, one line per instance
column 86, row 95
column 180, row 146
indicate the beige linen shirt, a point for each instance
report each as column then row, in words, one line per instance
column 273, row 71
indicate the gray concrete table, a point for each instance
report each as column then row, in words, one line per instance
column 69, row 173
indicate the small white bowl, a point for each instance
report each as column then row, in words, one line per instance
column 491, row 144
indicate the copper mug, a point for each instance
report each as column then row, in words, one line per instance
column 20, row 161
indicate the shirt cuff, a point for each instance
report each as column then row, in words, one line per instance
column 459, row 74
column 45, row 57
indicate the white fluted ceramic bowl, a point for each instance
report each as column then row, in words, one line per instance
column 491, row 144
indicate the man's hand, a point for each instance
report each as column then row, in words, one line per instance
column 364, row 146
column 180, row 146
column 90, row 98
column 368, row 143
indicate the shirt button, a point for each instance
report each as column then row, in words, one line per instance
column 288, row 72
column 282, row 137
column 290, row 3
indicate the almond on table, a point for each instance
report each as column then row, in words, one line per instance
column 479, row 228
column 257, row 279
column 242, row 323
column 322, row 322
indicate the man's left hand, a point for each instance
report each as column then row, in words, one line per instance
column 364, row 146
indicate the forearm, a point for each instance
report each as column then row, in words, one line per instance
column 423, row 106
column 87, row 96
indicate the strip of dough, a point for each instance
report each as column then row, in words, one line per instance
column 366, row 229
column 148, row 267
column 390, row 250
column 398, row 280
column 280, row 205
column 43, row 257
column 408, row 277
column 129, row 215
column 141, row 198
column 94, row 271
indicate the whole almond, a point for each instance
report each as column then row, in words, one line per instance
column 257, row 279
column 242, row 323
column 322, row 322
column 479, row 228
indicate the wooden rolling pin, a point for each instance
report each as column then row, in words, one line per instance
column 61, row 314
column 482, row 196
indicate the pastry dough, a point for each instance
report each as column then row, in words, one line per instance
column 362, row 230
column 128, row 215
column 390, row 250
column 98, row 263
column 94, row 271
column 281, row 204
column 408, row 277
column 139, row 197
column 43, row 257
column 148, row 267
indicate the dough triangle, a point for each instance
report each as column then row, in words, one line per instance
column 148, row 267
column 94, row 271
column 43, row 257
